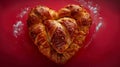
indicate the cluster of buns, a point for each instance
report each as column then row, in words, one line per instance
column 59, row 35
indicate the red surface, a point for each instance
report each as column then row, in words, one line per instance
column 104, row 50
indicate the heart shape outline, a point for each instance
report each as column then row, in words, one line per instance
column 59, row 35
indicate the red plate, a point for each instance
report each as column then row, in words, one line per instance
column 102, row 45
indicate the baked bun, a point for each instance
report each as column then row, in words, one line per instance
column 59, row 35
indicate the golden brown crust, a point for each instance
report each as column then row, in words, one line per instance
column 59, row 35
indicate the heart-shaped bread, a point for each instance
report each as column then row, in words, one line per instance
column 59, row 35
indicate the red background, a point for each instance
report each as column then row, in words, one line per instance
column 104, row 50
